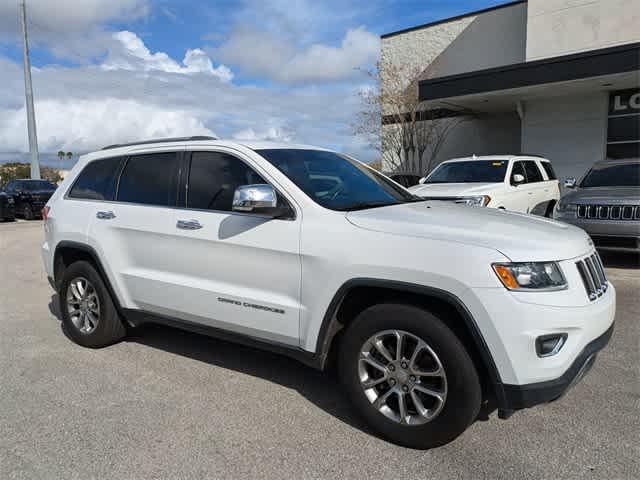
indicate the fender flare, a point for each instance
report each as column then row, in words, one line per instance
column 330, row 325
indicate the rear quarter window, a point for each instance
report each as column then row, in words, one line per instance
column 549, row 170
column 97, row 181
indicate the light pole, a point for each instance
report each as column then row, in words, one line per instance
column 28, row 90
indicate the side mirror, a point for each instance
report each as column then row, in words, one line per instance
column 517, row 179
column 259, row 198
column 570, row 183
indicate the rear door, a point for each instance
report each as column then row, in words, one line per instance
column 236, row 271
column 132, row 233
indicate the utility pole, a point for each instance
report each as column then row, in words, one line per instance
column 28, row 90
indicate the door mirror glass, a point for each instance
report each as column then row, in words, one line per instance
column 517, row 179
column 260, row 198
column 570, row 183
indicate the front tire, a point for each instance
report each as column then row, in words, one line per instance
column 409, row 376
column 89, row 315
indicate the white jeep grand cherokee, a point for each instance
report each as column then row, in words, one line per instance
column 429, row 310
column 519, row 183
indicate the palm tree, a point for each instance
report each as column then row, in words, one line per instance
column 69, row 155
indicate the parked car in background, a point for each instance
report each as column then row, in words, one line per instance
column 30, row 196
column 310, row 253
column 512, row 182
column 405, row 179
column 7, row 207
column 606, row 203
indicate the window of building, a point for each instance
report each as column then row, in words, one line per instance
column 97, row 181
column 533, row 172
column 623, row 125
column 150, row 179
column 213, row 179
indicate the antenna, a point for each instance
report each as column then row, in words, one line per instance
column 28, row 91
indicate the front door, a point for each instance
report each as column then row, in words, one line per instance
column 236, row 271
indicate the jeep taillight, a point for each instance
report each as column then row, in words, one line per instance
column 45, row 212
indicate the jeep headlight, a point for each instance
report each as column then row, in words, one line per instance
column 477, row 201
column 531, row 276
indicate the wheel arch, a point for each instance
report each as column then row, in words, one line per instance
column 357, row 294
column 68, row 252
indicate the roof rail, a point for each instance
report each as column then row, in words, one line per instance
column 523, row 154
column 160, row 140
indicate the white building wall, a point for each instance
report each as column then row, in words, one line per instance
column 562, row 27
column 487, row 40
column 570, row 131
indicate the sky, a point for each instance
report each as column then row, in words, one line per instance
column 112, row 71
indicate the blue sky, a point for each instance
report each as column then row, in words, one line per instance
column 113, row 70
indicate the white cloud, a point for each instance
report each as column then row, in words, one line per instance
column 264, row 53
column 130, row 53
column 277, row 134
column 82, row 125
column 65, row 15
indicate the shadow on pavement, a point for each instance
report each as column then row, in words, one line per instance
column 321, row 389
column 620, row 260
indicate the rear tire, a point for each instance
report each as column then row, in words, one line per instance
column 459, row 387
column 27, row 212
column 89, row 315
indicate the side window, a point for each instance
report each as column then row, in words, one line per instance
column 518, row 169
column 549, row 169
column 533, row 172
column 213, row 179
column 10, row 186
column 97, row 181
column 150, row 179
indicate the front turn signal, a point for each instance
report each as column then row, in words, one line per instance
column 506, row 276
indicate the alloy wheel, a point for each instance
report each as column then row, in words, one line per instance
column 402, row 377
column 83, row 305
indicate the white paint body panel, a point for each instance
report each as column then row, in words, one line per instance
column 297, row 266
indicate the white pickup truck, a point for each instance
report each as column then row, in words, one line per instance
column 428, row 310
column 519, row 183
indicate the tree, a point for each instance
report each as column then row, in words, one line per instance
column 60, row 154
column 69, row 155
column 15, row 170
column 396, row 123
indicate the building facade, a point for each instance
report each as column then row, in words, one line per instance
column 558, row 78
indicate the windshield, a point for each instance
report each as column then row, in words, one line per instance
column 475, row 171
column 34, row 185
column 625, row 175
column 335, row 181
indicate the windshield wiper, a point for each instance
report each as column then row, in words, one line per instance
column 364, row 206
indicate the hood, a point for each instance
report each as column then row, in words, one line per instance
column 452, row 189
column 603, row 195
column 520, row 237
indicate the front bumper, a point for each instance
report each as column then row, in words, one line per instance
column 517, row 397
column 610, row 235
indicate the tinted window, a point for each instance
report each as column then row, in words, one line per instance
column 213, row 179
column 150, row 179
column 476, row 171
column 334, row 181
column 37, row 185
column 625, row 175
column 11, row 186
column 97, row 181
column 533, row 172
column 549, row 169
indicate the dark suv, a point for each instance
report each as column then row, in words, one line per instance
column 606, row 203
column 30, row 196
column 7, row 209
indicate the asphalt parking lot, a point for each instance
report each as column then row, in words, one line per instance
column 167, row 404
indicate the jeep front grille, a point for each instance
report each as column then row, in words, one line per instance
column 593, row 277
column 609, row 212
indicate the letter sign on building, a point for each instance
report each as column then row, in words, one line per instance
column 623, row 126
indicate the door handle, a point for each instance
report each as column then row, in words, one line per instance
column 105, row 215
column 188, row 225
